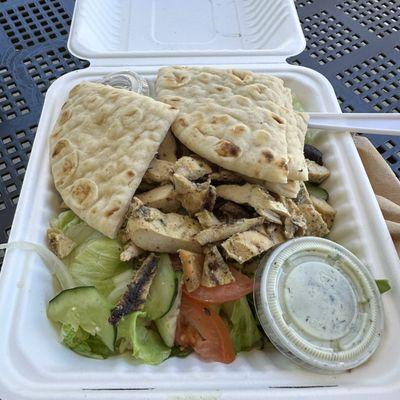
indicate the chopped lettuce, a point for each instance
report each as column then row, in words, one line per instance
column 84, row 343
column 297, row 104
column 96, row 262
column 73, row 227
column 147, row 344
column 83, row 314
column 137, row 333
column 123, row 341
column 243, row 327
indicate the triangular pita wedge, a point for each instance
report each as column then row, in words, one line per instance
column 187, row 87
column 101, row 146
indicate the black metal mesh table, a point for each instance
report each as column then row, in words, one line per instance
column 354, row 43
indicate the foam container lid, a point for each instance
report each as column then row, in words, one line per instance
column 159, row 32
column 143, row 36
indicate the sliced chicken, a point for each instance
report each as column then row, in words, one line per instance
column 223, row 175
column 316, row 173
column 192, row 168
column 159, row 171
column 244, row 246
column 288, row 189
column 162, row 197
column 275, row 233
column 289, row 230
column 327, row 212
column 316, row 226
column 194, row 197
column 295, row 224
column 59, row 244
column 167, row 149
column 223, row 231
column 215, row 269
column 152, row 230
column 137, row 291
column 207, row 219
column 255, row 196
column 231, row 211
column 192, row 265
column 129, row 251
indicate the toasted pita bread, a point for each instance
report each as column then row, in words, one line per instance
column 277, row 129
column 101, row 146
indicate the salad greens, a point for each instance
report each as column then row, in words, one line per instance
column 244, row 331
column 83, row 314
column 136, row 333
column 100, row 280
column 95, row 262
column 146, row 341
column 73, row 227
column 84, row 343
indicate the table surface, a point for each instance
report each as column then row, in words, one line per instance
column 354, row 43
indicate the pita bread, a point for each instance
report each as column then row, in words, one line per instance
column 262, row 97
column 235, row 139
column 101, row 146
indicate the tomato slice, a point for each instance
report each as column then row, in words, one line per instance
column 221, row 294
column 202, row 329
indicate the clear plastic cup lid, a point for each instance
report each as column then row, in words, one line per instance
column 319, row 304
column 128, row 80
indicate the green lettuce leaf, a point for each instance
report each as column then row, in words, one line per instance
column 243, row 327
column 136, row 332
column 96, row 262
column 73, row 227
column 84, row 343
column 123, row 341
column 147, row 344
column 297, row 104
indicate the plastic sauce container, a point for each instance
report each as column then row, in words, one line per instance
column 128, row 80
column 318, row 304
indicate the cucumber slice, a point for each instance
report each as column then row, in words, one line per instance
column 86, row 308
column 167, row 324
column 162, row 290
column 317, row 191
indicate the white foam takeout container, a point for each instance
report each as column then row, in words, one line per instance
column 144, row 35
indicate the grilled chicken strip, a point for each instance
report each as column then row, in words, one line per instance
column 244, row 246
column 59, row 244
column 194, row 197
column 215, row 270
column 152, row 230
column 192, row 168
column 137, row 291
column 255, row 196
column 316, row 173
column 159, row 171
column 162, row 197
column 316, row 226
column 223, row 231
column 207, row 219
